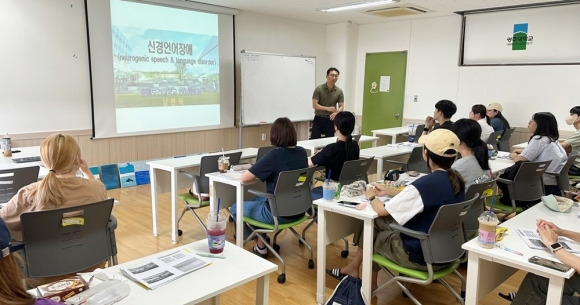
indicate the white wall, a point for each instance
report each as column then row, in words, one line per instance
column 433, row 74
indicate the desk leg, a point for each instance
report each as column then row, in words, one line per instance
column 262, row 290
column 483, row 276
column 379, row 168
column 471, row 289
column 555, row 289
column 375, row 141
column 394, row 139
column 154, row 200
column 321, row 257
column 174, row 206
column 367, row 262
column 240, row 216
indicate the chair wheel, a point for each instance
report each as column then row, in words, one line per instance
column 344, row 253
column 282, row 278
column 310, row 264
column 276, row 247
column 179, row 232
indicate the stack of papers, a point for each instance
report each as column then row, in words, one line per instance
column 534, row 241
column 166, row 268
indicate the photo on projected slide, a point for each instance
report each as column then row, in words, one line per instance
column 165, row 65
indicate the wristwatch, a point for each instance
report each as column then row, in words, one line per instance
column 370, row 199
column 426, row 129
column 555, row 247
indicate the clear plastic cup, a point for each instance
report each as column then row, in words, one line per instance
column 328, row 188
column 216, row 231
column 488, row 222
column 223, row 164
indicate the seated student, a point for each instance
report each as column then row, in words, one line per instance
column 287, row 156
column 542, row 146
column 534, row 288
column 335, row 154
column 414, row 207
column 444, row 110
column 573, row 142
column 473, row 165
column 478, row 114
column 498, row 121
column 12, row 291
column 61, row 155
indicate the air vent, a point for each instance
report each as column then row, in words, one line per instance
column 399, row 11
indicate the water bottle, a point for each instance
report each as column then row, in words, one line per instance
column 7, row 144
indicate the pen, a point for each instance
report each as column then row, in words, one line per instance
column 510, row 250
column 210, row 255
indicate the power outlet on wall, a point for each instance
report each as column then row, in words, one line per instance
column 264, row 136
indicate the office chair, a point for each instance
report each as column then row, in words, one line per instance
column 562, row 177
column 414, row 163
column 262, row 151
column 67, row 240
column 440, row 245
column 494, row 139
column 291, row 197
column 13, row 179
column 470, row 222
column 356, row 137
column 504, row 142
column 208, row 164
column 352, row 171
column 419, row 132
column 527, row 185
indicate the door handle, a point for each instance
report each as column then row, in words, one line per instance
column 397, row 115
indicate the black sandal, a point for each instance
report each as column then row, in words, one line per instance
column 335, row 273
column 510, row 296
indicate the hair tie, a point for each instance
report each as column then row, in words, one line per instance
column 52, row 170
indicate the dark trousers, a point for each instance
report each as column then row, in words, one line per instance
column 322, row 125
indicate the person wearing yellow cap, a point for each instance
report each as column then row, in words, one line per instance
column 414, row 207
column 498, row 121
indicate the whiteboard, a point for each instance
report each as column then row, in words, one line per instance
column 274, row 86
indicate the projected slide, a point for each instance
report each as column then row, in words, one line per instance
column 165, row 67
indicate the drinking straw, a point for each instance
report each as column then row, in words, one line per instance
column 490, row 208
column 223, row 153
column 217, row 214
column 328, row 175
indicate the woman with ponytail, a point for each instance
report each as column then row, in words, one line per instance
column 335, row 154
column 473, row 165
column 61, row 187
column 415, row 207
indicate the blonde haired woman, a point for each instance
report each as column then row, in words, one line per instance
column 61, row 155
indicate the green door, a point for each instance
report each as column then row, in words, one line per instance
column 384, row 90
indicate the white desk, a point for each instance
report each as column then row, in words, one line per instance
column 334, row 223
column 381, row 153
column 205, row 284
column 392, row 132
column 164, row 175
column 488, row 268
column 221, row 186
column 29, row 151
column 317, row 144
column 500, row 164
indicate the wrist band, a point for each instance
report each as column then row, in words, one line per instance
column 371, row 198
column 426, row 129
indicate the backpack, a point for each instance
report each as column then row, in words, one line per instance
column 347, row 292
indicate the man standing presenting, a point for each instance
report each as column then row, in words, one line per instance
column 324, row 101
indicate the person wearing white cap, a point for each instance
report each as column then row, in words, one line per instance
column 414, row 207
column 498, row 121
column 12, row 290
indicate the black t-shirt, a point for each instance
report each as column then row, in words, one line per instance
column 333, row 157
column 281, row 159
column 445, row 125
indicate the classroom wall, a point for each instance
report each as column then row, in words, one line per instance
column 433, row 74
column 53, row 84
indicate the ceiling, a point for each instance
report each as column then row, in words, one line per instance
column 306, row 9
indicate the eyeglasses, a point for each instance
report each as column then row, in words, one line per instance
column 333, row 75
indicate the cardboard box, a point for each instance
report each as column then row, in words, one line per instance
column 61, row 290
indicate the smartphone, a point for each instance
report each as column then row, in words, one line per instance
column 348, row 203
column 548, row 263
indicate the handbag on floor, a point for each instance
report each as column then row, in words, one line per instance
column 347, row 292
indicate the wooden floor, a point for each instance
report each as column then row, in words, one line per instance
column 135, row 239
